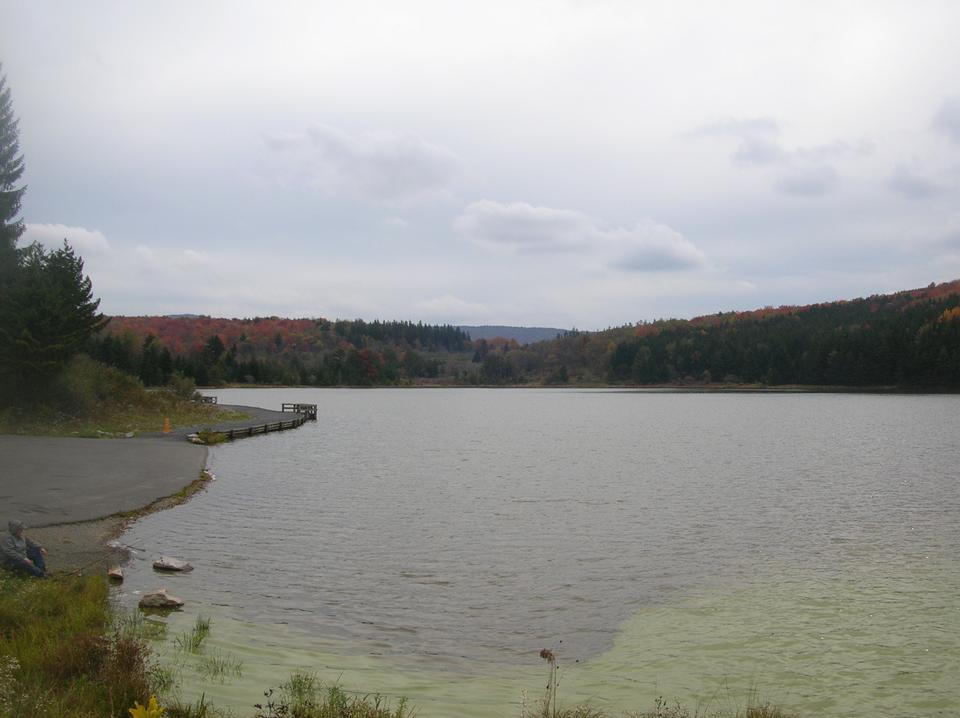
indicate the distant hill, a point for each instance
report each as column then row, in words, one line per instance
column 908, row 339
column 522, row 335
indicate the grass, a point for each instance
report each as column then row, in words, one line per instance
column 61, row 655
column 304, row 695
column 191, row 642
column 210, row 437
column 662, row 709
column 220, row 667
column 92, row 400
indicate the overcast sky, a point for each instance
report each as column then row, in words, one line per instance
column 581, row 163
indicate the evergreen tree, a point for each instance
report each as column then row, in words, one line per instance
column 49, row 315
column 11, row 170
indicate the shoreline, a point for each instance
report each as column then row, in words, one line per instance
column 639, row 388
column 78, row 546
column 111, row 472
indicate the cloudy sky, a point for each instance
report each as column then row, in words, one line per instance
column 584, row 163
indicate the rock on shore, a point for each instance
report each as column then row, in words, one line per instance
column 167, row 563
column 160, row 599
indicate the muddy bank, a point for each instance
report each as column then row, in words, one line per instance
column 82, row 546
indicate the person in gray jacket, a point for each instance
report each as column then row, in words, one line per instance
column 22, row 554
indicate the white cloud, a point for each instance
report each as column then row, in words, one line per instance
column 382, row 166
column 521, row 227
column 84, row 241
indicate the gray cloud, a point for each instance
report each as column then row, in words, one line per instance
column 801, row 172
column 836, row 150
column 383, row 166
column 759, row 151
column 808, row 180
column 520, row 227
column 947, row 119
column 906, row 182
column 653, row 247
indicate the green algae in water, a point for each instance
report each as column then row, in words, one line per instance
column 864, row 644
column 867, row 642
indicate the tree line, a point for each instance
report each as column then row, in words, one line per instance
column 909, row 340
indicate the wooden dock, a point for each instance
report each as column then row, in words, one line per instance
column 303, row 413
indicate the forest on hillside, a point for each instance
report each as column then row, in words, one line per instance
column 909, row 339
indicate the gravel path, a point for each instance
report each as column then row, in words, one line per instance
column 68, row 490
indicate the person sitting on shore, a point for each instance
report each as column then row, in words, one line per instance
column 22, row 554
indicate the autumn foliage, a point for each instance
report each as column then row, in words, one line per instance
column 909, row 339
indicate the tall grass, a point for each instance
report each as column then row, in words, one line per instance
column 191, row 642
column 61, row 653
column 306, row 696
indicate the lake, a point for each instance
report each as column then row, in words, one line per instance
column 800, row 548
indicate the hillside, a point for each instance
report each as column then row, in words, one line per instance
column 907, row 339
column 910, row 339
column 521, row 335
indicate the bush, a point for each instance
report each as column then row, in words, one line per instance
column 183, row 386
column 85, row 385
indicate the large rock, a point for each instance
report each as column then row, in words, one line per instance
column 167, row 563
column 115, row 573
column 160, row 599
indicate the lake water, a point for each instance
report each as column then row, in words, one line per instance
column 804, row 548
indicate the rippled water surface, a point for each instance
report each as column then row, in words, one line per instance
column 430, row 542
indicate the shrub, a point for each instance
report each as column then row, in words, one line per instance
column 85, row 385
column 183, row 386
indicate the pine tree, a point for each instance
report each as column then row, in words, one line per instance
column 49, row 314
column 11, row 170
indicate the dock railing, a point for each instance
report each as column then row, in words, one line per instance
column 302, row 413
column 265, row 428
column 310, row 410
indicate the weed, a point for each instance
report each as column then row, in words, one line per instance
column 136, row 625
column 303, row 696
column 551, row 697
column 163, row 679
column 190, row 642
column 220, row 666
column 200, row 709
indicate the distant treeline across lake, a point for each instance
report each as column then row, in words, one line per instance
column 909, row 340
